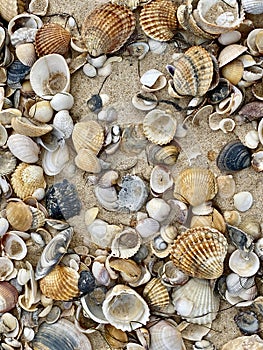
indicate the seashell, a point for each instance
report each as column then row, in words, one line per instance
column 166, row 155
column 115, row 337
column 251, row 139
column 159, row 247
column 8, row 296
column 215, row 220
column 132, row 4
column 4, row 224
column 62, row 201
column 38, row 7
column 186, row 252
column 227, row 125
column 3, row 135
column 60, row 284
column 168, row 233
column 232, row 217
column 157, row 47
column 53, row 252
column 233, row 71
column 252, row 74
column 53, row 162
column 64, row 123
column 252, row 6
column 247, row 322
column 244, row 264
column 203, row 345
column 147, row 228
column 252, row 341
column 254, row 42
column 159, row 126
column 41, row 111
column 60, row 335
column 19, row 215
column 195, row 186
column 14, row 246
column 251, row 111
column 153, row 80
column 6, row 267
column 129, row 270
column 156, row 294
column 158, row 209
column 16, row 73
column 61, row 101
column 260, row 131
column 23, row 20
column 239, row 286
column 89, row 135
column 257, row 161
column 144, row 101
column 234, row 156
column 52, row 38
column 92, row 304
column 26, row 179
column 88, row 161
column 107, row 197
column 230, row 53
column 229, row 38
column 25, row 126
column 9, row 9
column 243, row 201
column 226, row 186
column 26, row 54
column 124, row 308
column 172, row 276
column 50, row 75
column 102, row 233
column 198, row 60
column 165, row 336
column 257, row 91
column 125, row 244
column 196, row 302
column 103, row 37
column 21, row 36
column 161, row 179
column 158, row 20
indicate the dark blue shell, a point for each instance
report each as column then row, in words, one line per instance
column 86, row 282
column 234, row 156
column 16, row 72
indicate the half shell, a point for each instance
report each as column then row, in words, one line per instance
column 165, row 336
column 89, row 135
column 156, row 294
column 126, row 243
column 23, row 148
column 8, row 296
column 234, row 156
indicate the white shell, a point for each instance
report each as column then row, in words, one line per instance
column 252, row 74
column 89, row 70
column 6, row 267
column 54, row 162
column 260, row 131
column 164, row 335
column 157, row 47
column 62, row 100
column 4, row 224
column 97, row 62
column 243, row 201
column 102, row 233
column 26, row 54
column 158, row 209
column 253, row 6
column 64, row 123
column 14, row 246
column 147, row 228
column 227, row 125
column 126, row 243
column 41, row 111
column 229, row 37
column 251, row 139
column 153, row 80
column 23, row 148
column 161, row 179
column 143, row 104
column 251, row 41
column 244, row 264
column 243, row 287
column 38, row 7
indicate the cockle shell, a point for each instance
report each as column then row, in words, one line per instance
column 23, row 148
column 195, row 186
column 26, row 54
column 156, row 294
column 26, row 179
column 158, row 20
column 234, row 156
column 165, row 336
column 252, row 6
column 87, row 160
column 52, row 38
column 8, row 296
column 14, row 246
column 187, row 252
column 124, row 308
column 102, row 36
column 233, row 71
column 25, row 126
column 126, row 243
column 89, row 135
column 10, row 9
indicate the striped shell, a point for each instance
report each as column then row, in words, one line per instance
column 200, row 252
column 60, row 284
column 156, row 294
column 52, row 38
column 107, row 28
column 11, row 8
column 253, row 6
column 88, row 135
column 158, row 20
column 8, row 296
column 132, row 4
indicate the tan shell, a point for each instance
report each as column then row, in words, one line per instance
column 229, row 53
column 200, row 252
column 19, row 215
column 52, row 38
column 132, row 4
column 24, row 126
column 89, row 135
column 195, row 186
column 252, row 342
column 26, row 179
column 107, row 28
column 11, row 8
column 115, row 337
column 158, row 20
column 26, row 54
column 215, row 220
column 156, row 294
column 88, row 161
column 233, row 71
column 60, row 284
column 130, row 271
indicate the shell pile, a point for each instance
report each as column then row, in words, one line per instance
column 131, row 159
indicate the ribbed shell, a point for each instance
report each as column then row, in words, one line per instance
column 11, row 8
column 193, row 72
column 89, row 135
column 7, row 162
column 60, row 284
column 19, row 215
column 195, row 185
column 156, row 294
column 107, row 28
column 126, row 243
column 234, row 156
column 253, row 6
column 158, row 20
column 8, row 296
column 26, row 179
column 88, row 161
column 52, row 38
column 200, row 252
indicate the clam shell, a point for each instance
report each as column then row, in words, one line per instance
column 14, row 246
column 226, row 186
column 251, row 111
column 129, row 270
column 158, row 20
column 187, row 252
column 159, row 126
column 158, row 209
column 62, row 100
column 165, row 336
column 89, row 135
column 26, row 54
column 6, row 267
column 102, row 37
column 25, row 126
column 115, row 337
column 153, row 80
column 23, row 148
column 156, row 294
column 252, row 341
column 229, row 53
column 38, row 7
column 7, row 162
column 8, row 296
column 234, row 156
column 125, row 244
column 257, row 161
column 161, row 179
column 195, row 186
column 10, row 9
column 233, row 71
column 244, row 264
column 88, row 161
column 254, row 7
column 124, row 308
column 26, row 179
column 54, row 162
column 19, row 215
column 243, row 201
column 41, row 111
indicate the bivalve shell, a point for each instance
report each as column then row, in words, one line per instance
column 126, row 243
column 8, row 296
column 41, row 111
column 156, row 294
column 6, row 267
column 243, row 201
column 62, row 100
column 165, row 336
column 161, row 179
column 23, row 148
column 19, row 215
column 10, row 9
column 244, row 264
column 89, row 135
column 88, row 161
column 253, row 6
column 229, row 53
column 234, row 156
column 25, row 126
column 14, row 246
column 26, row 54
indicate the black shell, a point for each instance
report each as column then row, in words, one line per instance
column 86, row 283
column 247, row 322
column 234, row 156
column 16, row 73
column 62, row 201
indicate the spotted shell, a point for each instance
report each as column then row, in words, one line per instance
column 107, row 28
column 195, row 185
column 158, row 20
column 60, row 284
column 52, row 38
column 8, row 296
column 88, row 135
column 156, row 294
column 26, row 179
column 200, row 252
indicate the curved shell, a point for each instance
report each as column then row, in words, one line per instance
column 26, row 179
column 6, row 267
column 158, row 20
column 60, row 284
column 89, row 135
column 52, row 38
column 125, row 309
column 8, row 296
column 64, row 123
column 229, row 53
column 41, row 112
column 62, row 101
column 234, row 156
column 26, row 54
column 88, row 161
column 10, row 9
column 159, row 126
column 125, row 244
column 19, row 215
column 14, row 246
column 200, row 252
column 161, row 179
column 195, row 186
column 25, row 126
column 165, row 336
column 252, row 6
column 102, row 36
column 156, row 294
column 23, row 148
column 54, row 162
column 166, row 155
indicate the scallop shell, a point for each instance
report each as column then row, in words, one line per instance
column 88, row 161
column 165, row 336
column 10, row 9
column 125, row 244
column 89, row 135
column 159, row 126
column 158, row 20
column 8, row 296
column 52, row 38
column 25, row 126
column 23, row 148
column 26, row 179
column 234, row 156
column 14, row 246
column 125, row 309
column 102, row 36
column 156, row 294
column 187, row 252
column 195, row 186
column 252, row 6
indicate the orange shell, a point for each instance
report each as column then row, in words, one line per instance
column 19, row 215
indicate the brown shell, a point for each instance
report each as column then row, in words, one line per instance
column 19, row 215
column 195, row 186
column 7, row 162
column 129, row 269
column 26, row 179
column 107, row 28
column 156, row 294
column 115, row 337
column 89, row 135
column 60, row 284
column 200, row 252
column 52, row 38
column 158, row 20
column 8, row 296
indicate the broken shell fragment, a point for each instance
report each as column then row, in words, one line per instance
column 126, row 243
column 153, row 80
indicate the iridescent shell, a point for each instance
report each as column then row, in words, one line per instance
column 8, row 296
column 89, row 135
column 156, row 294
column 52, row 38
column 158, row 20
column 234, row 156
column 187, row 252
column 107, row 28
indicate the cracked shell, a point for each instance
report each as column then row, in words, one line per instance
column 200, row 252
column 89, row 135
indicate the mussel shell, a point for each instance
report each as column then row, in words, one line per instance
column 16, row 73
column 247, row 322
column 234, row 156
column 86, row 283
